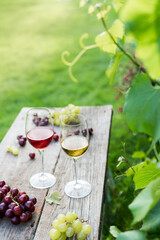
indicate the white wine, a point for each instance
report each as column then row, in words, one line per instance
column 75, row 145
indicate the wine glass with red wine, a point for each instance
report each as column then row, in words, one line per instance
column 74, row 140
column 39, row 132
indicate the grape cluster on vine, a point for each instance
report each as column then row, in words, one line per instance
column 15, row 205
column 69, row 225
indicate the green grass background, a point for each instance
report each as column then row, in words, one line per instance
column 33, row 35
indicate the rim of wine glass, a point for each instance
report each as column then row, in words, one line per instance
column 77, row 124
column 38, row 108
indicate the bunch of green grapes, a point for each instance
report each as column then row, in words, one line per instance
column 66, row 226
column 70, row 109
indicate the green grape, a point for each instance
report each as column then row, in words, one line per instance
column 77, row 110
column 81, row 236
column 70, row 217
column 61, row 218
column 86, row 229
column 77, row 226
column 62, row 237
column 62, row 227
column 55, row 223
column 56, row 114
column 70, row 232
column 54, row 234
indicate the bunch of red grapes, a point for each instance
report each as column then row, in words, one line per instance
column 38, row 121
column 15, row 205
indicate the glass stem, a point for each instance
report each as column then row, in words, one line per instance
column 75, row 171
column 42, row 157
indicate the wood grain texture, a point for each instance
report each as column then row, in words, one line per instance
column 17, row 170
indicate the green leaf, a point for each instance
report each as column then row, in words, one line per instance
column 143, row 19
column 105, row 43
column 117, row 29
column 151, row 223
column 139, row 154
column 113, row 67
column 104, row 40
column 142, row 107
column 145, row 201
column 130, row 235
column 136, row 168
column 114, row 231
column 53, row 198
column 146, row 174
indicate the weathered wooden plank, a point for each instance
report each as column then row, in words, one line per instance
column 91, row 167
column 17, row 170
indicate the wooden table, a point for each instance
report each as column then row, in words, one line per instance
column 17, row 170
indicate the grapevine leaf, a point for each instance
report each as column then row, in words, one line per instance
column 136, row 168
column 113, row 67
column 104, row 40
column 151, row 223
column 145, row 201
column 139, row 154
column 53, row 198
column 130, row 235
column 146, row 174
column 142, row 107
column 105, row 43
column 117, row 29
column 114, row 231
column 142, row 18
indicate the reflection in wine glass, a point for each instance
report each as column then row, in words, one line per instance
column 39, row 132
column 74, row 140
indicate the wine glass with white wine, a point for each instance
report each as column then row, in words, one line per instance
column 74, row 140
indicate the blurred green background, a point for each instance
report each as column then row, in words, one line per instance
column 33, row 35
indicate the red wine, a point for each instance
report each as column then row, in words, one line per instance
column 40, row 137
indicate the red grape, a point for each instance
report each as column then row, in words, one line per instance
column 9, row 213
column 7, row 187
column 76, row 132
column 23, row 198
column 29, row 205
column 15, row 220
column 21, row 193
column 32, row 155
column 7, row 199
column 4, row 190
column 29, row 214
column 90, row 130
column 17, row 210
column 22, row 142
column 3, row 207
column 34, row 200
column 2, row 183
column 84, row 132
column 55, row 137
column 1, row 195
column 12, row 205
column 24, row 217
column 14, row 192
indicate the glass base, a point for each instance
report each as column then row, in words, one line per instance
column 80, row 190
column 42, row 181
